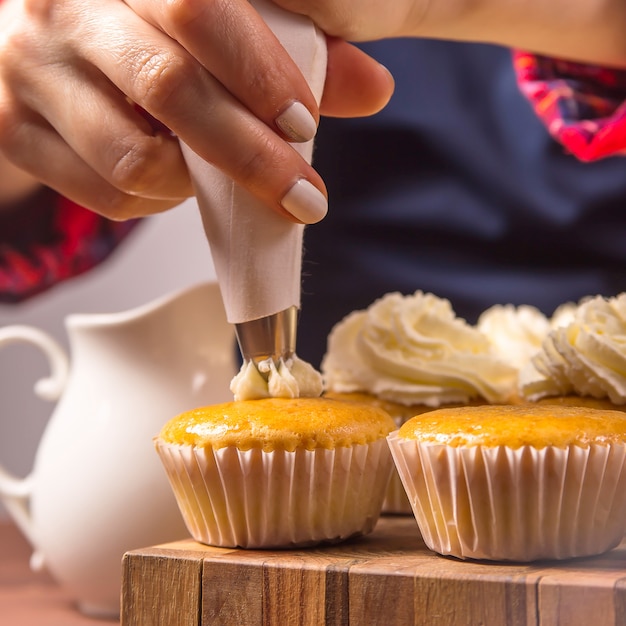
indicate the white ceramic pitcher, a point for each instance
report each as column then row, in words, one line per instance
column 97, row 488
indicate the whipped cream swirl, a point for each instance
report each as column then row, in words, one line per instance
column 415, row 350
column 586, row 356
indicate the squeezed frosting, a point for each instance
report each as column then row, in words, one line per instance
column 291, row 378
column 585, row 357
column 415, row 350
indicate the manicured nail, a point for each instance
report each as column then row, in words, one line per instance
column 297, row 122
column 305, row 202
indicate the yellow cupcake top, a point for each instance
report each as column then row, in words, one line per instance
column 587, row 401
column 279, row 424
column 518, row 425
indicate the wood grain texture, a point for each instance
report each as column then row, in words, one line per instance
column 388, row 577
column 159, row 588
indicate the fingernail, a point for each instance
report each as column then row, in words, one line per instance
column 305, row 202
column 297, row 122
column 389, row 74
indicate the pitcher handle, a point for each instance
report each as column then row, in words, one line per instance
column 15, row 492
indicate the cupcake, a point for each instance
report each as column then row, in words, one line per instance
column 278, row 472
column 515, row 483
column 412, row 354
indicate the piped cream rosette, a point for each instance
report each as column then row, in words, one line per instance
column 278, row 472
column 415, row 351
column 585, row 356
column 479, row 498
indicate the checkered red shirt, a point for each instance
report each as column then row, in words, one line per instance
column 582, row 106
column 48, row 239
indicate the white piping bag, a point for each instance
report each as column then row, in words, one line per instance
column 257, row 253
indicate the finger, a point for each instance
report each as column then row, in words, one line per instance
column 101, row 126
column 356, row 84
column 167, row 82
column 234, row 44
column 35, row 147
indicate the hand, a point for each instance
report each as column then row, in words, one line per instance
column 586, row 30
column 76, row 77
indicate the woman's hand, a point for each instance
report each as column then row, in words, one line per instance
column 90, row 89
column 589, row 31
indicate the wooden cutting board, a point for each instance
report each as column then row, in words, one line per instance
column 388, row 578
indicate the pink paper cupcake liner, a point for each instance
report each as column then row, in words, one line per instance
column 522, row 504
column 258, row 499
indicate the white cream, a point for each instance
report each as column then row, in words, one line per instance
column 292, row 378
column 586, row 357
column 563, row 315
column 414, row 350
column 516, row 333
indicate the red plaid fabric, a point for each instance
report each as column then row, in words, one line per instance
column 582, row 106
column 49, row 239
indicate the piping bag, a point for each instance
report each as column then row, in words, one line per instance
column 257, row 253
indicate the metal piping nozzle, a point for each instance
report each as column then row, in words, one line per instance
column 268, row 337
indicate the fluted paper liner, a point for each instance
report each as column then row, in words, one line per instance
column 523, row 504
column 258, row 499
column 396, row 501
column 257, row 253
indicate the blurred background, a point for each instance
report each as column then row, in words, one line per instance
column 166, row 253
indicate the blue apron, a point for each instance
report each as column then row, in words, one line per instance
column 456, row 188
